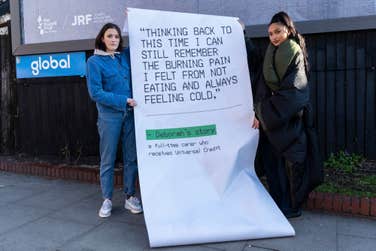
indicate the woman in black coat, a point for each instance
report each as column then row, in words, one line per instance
column 288, row 152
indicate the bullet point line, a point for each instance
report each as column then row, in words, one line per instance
column 199, row 111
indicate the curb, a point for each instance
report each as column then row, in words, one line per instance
column 341, row 204
column 317, row 201
column 89, row 174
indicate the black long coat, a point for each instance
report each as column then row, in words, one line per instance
column 286, row 121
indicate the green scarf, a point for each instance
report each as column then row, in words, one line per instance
column 284, row 54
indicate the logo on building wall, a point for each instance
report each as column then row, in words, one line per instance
column 88, row 18
column 39, row 65
column 51, row 65
column 82, row 19
column 46, row 25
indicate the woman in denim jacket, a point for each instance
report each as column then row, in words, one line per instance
column 109, row 85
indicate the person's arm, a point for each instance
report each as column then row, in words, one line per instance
column 130, row 101
column 96, row 92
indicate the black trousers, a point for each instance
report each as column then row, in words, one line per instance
column 282, row 176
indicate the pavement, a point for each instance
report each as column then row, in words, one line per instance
column 59, row 215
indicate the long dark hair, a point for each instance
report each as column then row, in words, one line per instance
column 283, row 18
column 98, row 40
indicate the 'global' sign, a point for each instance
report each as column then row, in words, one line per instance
column 51, row 65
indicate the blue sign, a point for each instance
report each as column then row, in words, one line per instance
column 51, row 65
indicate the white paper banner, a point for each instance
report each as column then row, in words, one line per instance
column 195, row 143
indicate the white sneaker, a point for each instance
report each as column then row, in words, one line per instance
column 106, row 208
column 133, row 204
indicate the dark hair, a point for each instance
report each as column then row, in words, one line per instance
column 98, row 40
column 283, row 18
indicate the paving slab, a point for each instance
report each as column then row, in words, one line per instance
column 13, row 193
column 186, row 248
column 251, row 247
column 59, row 215
column 232, row 245
column 354, row 243
column 56, row 198
column 312, row 230
column 111, row 236
column 43, row 234
column 84, row 211
column 11, row 178
column 14, row 216
column 66, row 185
column 120, row 214
column 358, row 227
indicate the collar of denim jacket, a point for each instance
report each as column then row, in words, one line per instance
column 105, row 53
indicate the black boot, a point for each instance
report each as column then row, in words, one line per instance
column 292, row 212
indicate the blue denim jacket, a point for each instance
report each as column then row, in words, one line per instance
column 109, row 80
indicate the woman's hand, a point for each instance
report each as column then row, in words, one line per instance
column 255, row 123
column 131, row 102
